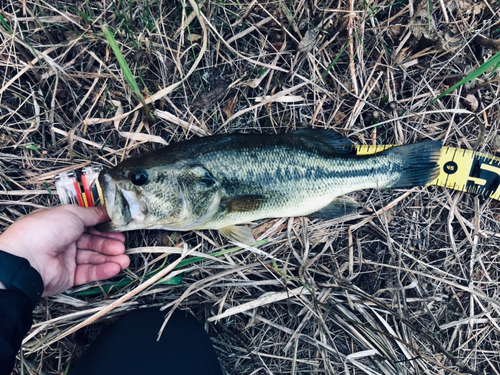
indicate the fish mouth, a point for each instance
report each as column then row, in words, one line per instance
column 116, row 204
column 124, row 209
column 133, row 210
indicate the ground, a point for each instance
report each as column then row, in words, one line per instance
column 408, row 289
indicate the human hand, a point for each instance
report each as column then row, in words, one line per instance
column 62, row 245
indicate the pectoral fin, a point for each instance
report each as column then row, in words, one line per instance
column 337, row 208
column 240, row 234
column 243, row 203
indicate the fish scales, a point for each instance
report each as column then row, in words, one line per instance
column 218, row 182
column 306, row 183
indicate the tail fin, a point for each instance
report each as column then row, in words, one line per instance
column 420, row 163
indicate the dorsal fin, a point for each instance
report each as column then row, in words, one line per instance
column 333, row 139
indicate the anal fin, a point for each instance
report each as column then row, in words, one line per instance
column 336, row 208
column 238, row 233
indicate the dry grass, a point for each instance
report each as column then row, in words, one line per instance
column 408, row 290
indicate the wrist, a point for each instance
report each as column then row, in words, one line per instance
column 18, row 275
column 8, row 244
column 15, row 247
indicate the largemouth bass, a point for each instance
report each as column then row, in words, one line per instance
column 220, row 181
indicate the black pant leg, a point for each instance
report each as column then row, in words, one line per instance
column 129, row 347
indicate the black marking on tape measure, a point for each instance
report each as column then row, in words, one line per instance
column 478, row 172
column 452, row 161
column 450, row 167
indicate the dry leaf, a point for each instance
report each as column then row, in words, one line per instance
column 467, row 6
column 193, row 37
column 496, row 145
column 408, row 64
column 471, row 102
column 119, row 112
column 402, row 55
column 167, row 116
column 282, row 99
column 493, row 44
column 256, row 82
column 339, row 117
column 141, row 137
column 263, row 300
column 477, row 8
column 6, row 140
column 207, row 98
column 230, row 105
column 395, row 31
column 308, row 41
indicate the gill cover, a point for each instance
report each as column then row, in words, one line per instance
column 201, row 195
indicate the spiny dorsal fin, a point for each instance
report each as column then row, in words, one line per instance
column 333, row 139
column 240, row 234
column 243, row 203
column 336, row 208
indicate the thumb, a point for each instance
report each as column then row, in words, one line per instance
column 90, row 216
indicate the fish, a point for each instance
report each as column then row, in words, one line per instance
column 220, row 182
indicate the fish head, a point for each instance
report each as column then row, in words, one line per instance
column 179, row 196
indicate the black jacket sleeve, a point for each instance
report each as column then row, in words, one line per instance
column 15, row 321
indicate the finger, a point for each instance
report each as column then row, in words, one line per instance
column 100, row 244
column 87, row 273
column 113, row 235
column 90, row 216
column 91, row 257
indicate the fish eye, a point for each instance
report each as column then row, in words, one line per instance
column 139, row 177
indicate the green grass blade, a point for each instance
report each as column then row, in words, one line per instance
column 124, row 283
column 337, row 57
column 493, row 62
column 127, row 73
column 171, row 281
column 5, row 24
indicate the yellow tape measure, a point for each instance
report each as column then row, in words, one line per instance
column 459, row 169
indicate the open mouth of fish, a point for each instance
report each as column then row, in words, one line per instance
column 121, row 204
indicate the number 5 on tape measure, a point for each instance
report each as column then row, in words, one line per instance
column 469, row 171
